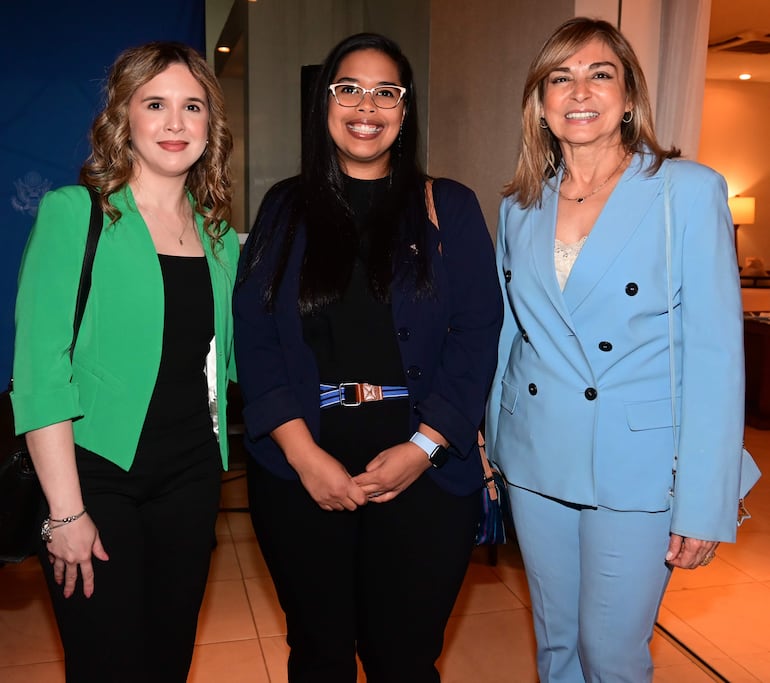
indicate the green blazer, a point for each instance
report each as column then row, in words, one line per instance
column 107, row 387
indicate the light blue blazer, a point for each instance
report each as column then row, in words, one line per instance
column 580, row 407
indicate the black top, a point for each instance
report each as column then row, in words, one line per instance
column 354, row 340
column 178, row 413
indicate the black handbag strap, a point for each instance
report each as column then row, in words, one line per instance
column 92, row 240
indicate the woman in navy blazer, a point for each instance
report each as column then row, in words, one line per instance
column 580, row 414
column 366, row 341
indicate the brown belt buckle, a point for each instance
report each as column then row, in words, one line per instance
column 369, row 392
column 364, row 393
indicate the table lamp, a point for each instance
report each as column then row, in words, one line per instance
column 743, row 211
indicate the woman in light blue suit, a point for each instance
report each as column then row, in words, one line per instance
column 580, row 415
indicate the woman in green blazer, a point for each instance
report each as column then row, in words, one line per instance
column 129, row 436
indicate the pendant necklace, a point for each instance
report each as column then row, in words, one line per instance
column 582, row 198
column 184, row 230
column 167, row 229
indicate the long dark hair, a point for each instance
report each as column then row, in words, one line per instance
column 318, row 200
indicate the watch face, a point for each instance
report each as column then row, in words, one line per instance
column 439, row 457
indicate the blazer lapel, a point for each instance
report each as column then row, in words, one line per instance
column 626, row 207
column 542, row 226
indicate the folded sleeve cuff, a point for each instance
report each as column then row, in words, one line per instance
column 37, row 410
column 271, row 410
column 438, row 413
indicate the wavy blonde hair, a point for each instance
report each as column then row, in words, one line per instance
column 540, row 154
column 110, row 165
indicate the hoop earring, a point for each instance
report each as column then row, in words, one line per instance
column 543, row 123
column 630, row 114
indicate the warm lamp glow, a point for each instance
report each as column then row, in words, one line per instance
column 744, row 77
column 742, row 210
column 223, row 48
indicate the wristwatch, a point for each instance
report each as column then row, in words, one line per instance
column 437, row 454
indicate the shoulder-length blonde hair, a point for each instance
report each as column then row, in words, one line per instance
column 110, row 164
column 540, row 154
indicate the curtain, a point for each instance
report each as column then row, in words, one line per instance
column 682, row 73
column 55, row 56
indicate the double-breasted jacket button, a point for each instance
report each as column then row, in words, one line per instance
column 403, row 333
column 632, row 289
column 413, row 372
column 507, row 275
column 605, row 346
column 532, row 389
column 590, row 393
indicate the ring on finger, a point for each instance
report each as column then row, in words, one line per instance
column 707, row 559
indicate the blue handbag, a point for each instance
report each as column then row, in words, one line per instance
column 495, row 505
column 496, row 518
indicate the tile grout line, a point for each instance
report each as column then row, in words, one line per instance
column 248, row 600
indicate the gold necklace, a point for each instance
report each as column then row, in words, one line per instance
column 581, row 199
column 184, row 230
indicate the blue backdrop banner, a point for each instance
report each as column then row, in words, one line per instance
column 55, row 56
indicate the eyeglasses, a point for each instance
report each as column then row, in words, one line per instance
column 351, row 95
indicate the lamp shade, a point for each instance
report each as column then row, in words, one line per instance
column 742, row 210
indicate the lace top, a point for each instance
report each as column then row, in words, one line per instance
column 564, row 256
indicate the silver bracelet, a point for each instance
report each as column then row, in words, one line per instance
column 46, row 529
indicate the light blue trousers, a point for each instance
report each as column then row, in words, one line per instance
column 596, row 578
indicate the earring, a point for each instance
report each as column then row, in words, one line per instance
column 543, row 123
column 630, row 114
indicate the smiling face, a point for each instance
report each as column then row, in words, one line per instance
column 585, row 97
column 364, row 134
column 169, row 118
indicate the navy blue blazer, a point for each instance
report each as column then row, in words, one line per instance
column 448, row 342
column 580, row 409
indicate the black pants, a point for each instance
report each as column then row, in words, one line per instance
column 380, row 581
column 156, row 523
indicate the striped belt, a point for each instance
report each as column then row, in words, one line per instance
column 351, row 394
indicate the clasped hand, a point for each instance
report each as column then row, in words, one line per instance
column 388, row 474
column 329, row 483
column 392, row 471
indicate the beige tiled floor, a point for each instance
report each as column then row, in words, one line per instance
column 721, row 612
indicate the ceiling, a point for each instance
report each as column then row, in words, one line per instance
column 730, row 18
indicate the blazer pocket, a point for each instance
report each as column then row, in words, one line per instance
column 95, row 387
column 649, row 415
column 509, row 396
column 96, row 374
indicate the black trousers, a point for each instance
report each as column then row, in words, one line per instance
column 156, row 523
column 380, row 581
